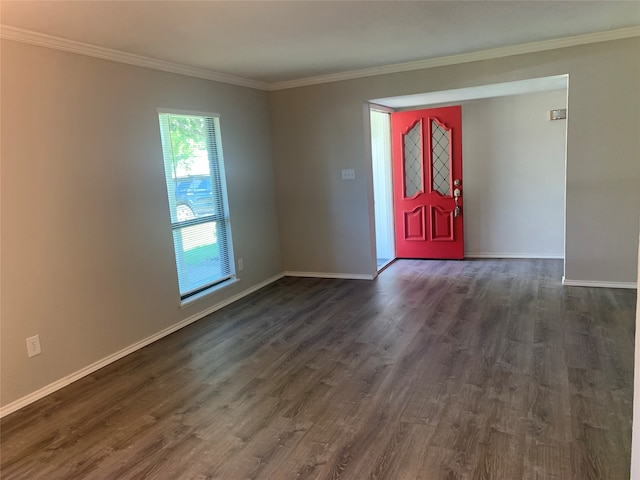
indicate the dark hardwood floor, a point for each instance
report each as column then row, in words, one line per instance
column 486, row 369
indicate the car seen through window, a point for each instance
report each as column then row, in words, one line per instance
column 194, row 197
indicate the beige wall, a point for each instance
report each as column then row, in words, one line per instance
column 514, row 176
column 87, row 253
column 326, row 224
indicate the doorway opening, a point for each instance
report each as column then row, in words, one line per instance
column 516, row 188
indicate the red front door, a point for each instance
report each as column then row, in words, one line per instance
column 427, row 183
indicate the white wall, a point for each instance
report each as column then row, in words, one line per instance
column 514, row 176
column 326, row 224
column 87, row 250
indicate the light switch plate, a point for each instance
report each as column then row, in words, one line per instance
column 560, row 114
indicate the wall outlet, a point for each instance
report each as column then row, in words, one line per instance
column 348, row 174
column 33, row 346
column 240, row 264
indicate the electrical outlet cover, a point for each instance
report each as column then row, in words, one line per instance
column 348, row 174
column 33, row 346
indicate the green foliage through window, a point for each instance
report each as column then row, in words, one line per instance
column 188, row 136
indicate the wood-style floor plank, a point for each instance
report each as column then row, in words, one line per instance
column 472, row 370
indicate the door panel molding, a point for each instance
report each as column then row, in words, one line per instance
column 441, row 223
column 414, row 225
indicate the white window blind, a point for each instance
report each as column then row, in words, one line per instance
column 196, row 190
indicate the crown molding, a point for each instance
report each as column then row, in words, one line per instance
column 463, row 58
column 42, row 40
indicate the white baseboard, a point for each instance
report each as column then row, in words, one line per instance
column 347, row 276
column 83, row 372
column 597, row 283
column 552, row 256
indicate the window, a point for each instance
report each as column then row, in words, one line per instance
column 196, row 190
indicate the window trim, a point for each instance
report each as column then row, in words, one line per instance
column 187, row 302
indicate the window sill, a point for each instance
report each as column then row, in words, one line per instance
column 187, row 302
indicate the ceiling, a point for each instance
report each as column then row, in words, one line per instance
column 279, row 41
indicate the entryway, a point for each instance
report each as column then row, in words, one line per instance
column 514, row 161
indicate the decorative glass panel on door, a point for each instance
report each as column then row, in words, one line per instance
column 413, row 174
column 440, row 158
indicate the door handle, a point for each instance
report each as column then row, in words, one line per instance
column 456, row 195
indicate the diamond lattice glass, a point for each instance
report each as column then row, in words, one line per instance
column 413, row 161
column 440, row 159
